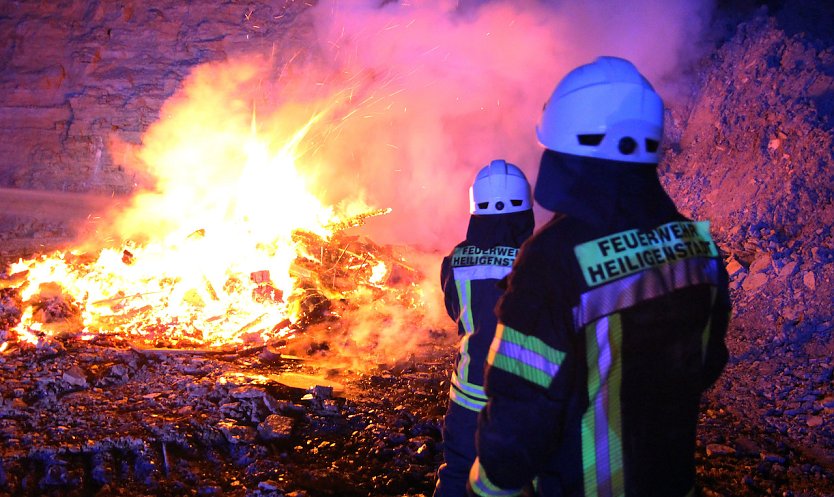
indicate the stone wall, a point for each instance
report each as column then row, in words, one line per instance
column 77, row 74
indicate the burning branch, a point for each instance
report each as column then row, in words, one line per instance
column 328, row 272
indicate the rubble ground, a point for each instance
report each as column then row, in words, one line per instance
column 84, row 419
column 79, row 418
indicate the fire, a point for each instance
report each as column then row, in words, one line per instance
column 225, row 250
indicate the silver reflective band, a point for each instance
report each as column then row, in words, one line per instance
column 648, row 284
column 481, row 272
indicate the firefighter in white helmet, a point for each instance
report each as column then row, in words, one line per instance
column 501, row 219
column 614, row 316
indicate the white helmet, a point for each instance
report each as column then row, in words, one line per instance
column 605, row 109
column 499, row 188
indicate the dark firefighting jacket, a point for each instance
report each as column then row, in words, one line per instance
column 469, row 277
column 610, row 329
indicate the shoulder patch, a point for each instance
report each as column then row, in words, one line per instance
column 627, row 252
column 470, row 255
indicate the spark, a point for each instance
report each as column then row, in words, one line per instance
column 352, row 112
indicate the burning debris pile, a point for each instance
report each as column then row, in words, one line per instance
column 217, row 386
column 70, row 294
column 226, row 243
column 218, row 361
column 214, row 321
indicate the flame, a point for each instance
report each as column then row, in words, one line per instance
column 211, row 251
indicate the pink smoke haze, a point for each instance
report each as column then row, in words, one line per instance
column 411, row 99
column 445, row 88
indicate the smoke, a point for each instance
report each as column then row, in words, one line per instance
column 385, row 105
column 442, row 88
column 378, row 329
column 411, row 99
column 431, row 91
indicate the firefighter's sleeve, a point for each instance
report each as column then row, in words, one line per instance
column 450, row 294
column 528, row 377
column 715, row 348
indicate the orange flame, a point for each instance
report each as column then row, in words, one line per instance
column 211, row 261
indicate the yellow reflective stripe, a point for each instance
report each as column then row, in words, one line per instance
column 482, row 487
column 467, row 395
column 465, row 358
column 551, row 355
column 602, row 452
column 471, row 389
column 525, row 356
column 615, row 424
column 465, row 298
column 463, row 400
column 589, row 451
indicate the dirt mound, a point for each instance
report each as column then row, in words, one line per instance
column 754, row 156
column 752, row 152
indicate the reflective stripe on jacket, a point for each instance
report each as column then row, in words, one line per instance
column 469, row 276
column 475, row 273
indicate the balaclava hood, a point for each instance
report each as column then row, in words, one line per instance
column 510, row 230
column 598, row 189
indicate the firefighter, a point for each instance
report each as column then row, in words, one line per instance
column 613, row 321
column 501, row 219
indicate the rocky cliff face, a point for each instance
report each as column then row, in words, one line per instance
column 75, row 76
